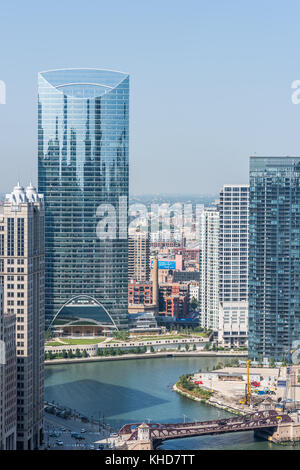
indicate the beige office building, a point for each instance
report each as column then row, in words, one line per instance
column 2, row 363
column 22, row 275
column 8, row 384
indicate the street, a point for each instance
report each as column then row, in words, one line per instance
column 58, row 434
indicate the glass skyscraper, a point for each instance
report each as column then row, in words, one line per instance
column 274, row 256
column 83, row 137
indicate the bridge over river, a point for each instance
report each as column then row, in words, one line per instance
column 157, row 432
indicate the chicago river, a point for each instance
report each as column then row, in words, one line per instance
column 141, row 390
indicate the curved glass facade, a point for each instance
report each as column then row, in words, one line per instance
column 83, row 138
column 83, row 311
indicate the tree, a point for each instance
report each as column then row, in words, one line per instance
column 48, row 335
column 122, row 335
column 194, row 303
column 77, row 353
column 272, row 362
column 84, row 353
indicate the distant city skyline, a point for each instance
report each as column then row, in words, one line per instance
column 210, row 87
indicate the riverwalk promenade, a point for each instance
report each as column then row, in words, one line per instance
column 147, row 355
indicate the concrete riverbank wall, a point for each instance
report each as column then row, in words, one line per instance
column 142, row 356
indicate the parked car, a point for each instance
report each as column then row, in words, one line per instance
column 255, row 384
column 59, row 443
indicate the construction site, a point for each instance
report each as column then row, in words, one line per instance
column 242, row 389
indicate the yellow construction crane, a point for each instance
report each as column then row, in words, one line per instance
column 247, row 398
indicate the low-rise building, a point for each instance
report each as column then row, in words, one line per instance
column 233, row 324
column 194, row 290
column 174, row 299
column 143, row 322
column 139, row 293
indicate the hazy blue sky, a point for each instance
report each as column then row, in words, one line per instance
column 210, row 82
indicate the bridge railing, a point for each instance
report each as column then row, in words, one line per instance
column 259, row 419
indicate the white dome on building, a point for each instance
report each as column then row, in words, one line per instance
column 31, row 193
column 19, row 195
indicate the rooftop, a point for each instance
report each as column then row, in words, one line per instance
column 19, row 195
column 83, row 82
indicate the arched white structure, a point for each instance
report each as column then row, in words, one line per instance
column 90, row 298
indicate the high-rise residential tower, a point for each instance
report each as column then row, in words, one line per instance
column 139, row 256
column 209, row 268
column 274, row 256
column 22, row 252
column 83, row 136
column 233, row 264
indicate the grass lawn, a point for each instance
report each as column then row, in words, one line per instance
column 138, row 339
column 202, row 334
column 82, row 340
column 155, row 338
column 66, row 341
